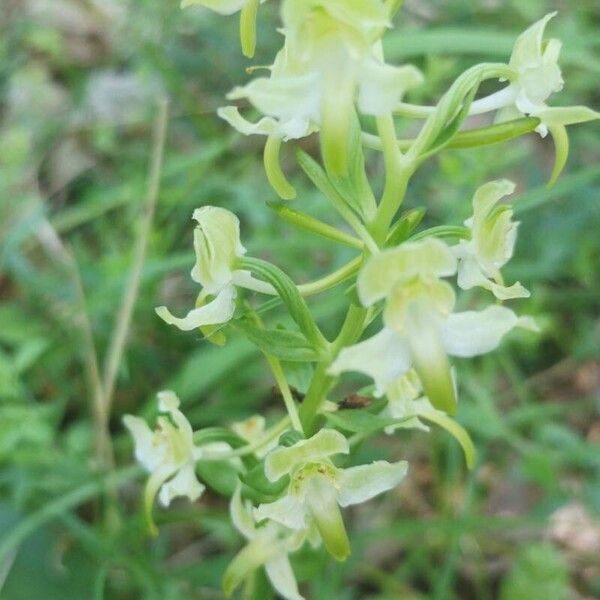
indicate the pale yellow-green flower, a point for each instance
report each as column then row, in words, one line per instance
column 269, row 546
column 420, row 327
column 318, row 488
column 331, row 61
column 493, row 237
column 168, row 453
column 217, row 246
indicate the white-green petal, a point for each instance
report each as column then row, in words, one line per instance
column 423, row 327
column 427, row 258
column 244, row 279
column 323, row 444
column 322, row 503
column 383, row 357
column 470, row 275
column 472, row 333
column 287, row 511
column 528, row 47
column 567, row 115
column 217, row 245
column 241, row 517
column 382, row 86
column 280, row 574
column 359, row 484
column 219, row 311
column 184, row 483
column 147, row 453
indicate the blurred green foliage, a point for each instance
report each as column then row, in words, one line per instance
column 78, row 85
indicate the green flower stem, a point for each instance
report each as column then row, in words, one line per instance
column 284, row 387
column 321, row 181
column 398, row 173
column 315, row 226
column 473, row 138
column 269, row 435
column 319, row 386
column 333, row 279
column 351, row 330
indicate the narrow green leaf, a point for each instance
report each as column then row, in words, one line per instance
column 308, row 223
column 290, row 296
column 280, row 343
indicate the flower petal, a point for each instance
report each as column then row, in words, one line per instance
column 359, row 484
column 280, row 574
column 382, row 86
column 423, row 325
column 426, row 258
column 217, row 245
column 241, row 517
column 287, row 511
column 383, row 357
column 184, row 483
column 323, row 444
column 472, row 333
column 567, row 115
column 322, row 501
column 220, row 310
column 147, row 453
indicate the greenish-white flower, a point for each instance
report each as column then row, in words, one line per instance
column 318, row 488
column 538, row 76
column 168, row 453
column 217, row 246
column 404, row 401
column 331, row 60
column 493, row 237
column 269, row 546
column 420, row 329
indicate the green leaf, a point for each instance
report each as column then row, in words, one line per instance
column 321, row 181
column 404, row 226
column 255, row 478
column 360, row 421
column 315, row 226
column 494, row 134
column 446, row 135
column 280, row 343
column 290, row 296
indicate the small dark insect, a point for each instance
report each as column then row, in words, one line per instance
column 355, row 401
column 296, row 395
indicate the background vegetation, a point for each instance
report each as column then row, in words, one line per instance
column 79, row 80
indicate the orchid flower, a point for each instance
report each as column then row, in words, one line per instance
column 252, row 430
column 404, row 399
column 538, row 76
column 168, row 454
column 332, row 59
column 217, row 245
column 493, row 237
column 420, row 329
column 269, row 546
column 318, row 488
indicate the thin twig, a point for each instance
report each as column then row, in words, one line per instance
column 122, row 325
